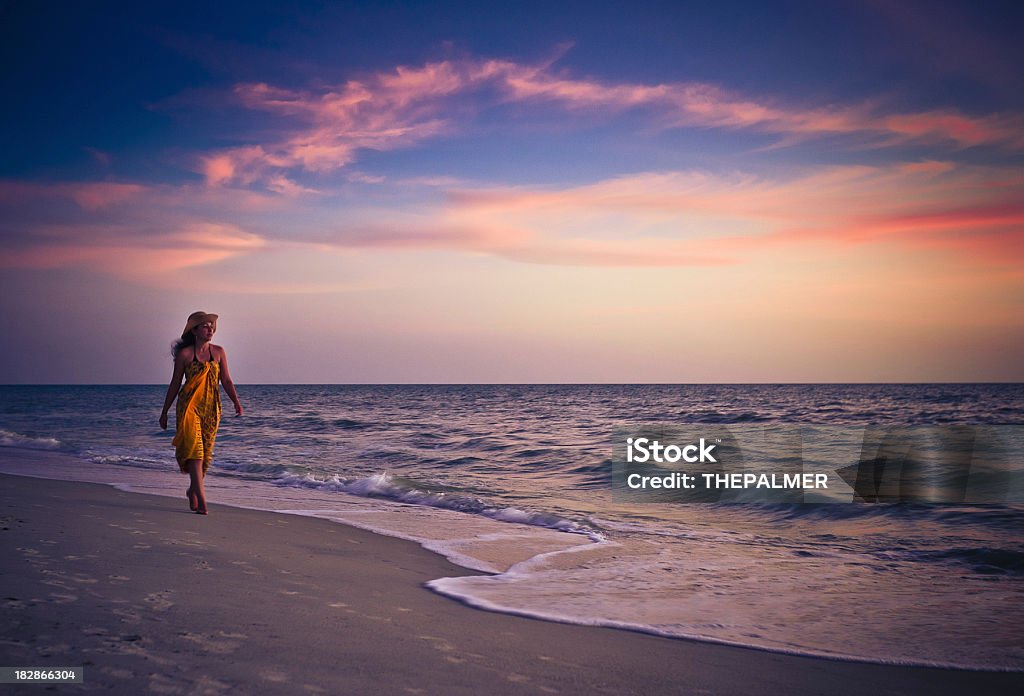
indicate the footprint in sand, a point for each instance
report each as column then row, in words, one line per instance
column 159, row 600
column 246, row 568
column 118, row 673
column 160, row 684
column 439, row 644
column 219, row 643
column 84, row 579
column 274, row 676
column 127, row 615
column 50, row 650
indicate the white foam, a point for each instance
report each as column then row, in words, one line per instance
column 471, row 541
column 704, row 583
column 384, row 485
column 12, row 439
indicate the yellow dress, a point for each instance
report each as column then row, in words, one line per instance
column 198, row 414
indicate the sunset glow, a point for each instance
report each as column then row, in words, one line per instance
column 465, row 207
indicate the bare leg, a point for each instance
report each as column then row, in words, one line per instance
column 195, row 472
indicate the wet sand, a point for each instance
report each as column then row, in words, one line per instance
column 148, row 596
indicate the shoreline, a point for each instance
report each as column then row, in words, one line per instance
column 496, row 569
column 142, row 593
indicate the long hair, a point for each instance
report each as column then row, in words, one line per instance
column 188, row 340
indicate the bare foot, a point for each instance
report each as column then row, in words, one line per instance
column 193, row 501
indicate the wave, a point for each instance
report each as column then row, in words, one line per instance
column 12, row 439
column 983, row 560
column 1004, row 517
column 258, row 469
column 463, row 588
column 384, row 485
column 712, row 416
column 129, row 460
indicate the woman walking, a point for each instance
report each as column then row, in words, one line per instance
column 204, row 367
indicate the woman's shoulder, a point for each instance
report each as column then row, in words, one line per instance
column 217, row 351
column 186, row 353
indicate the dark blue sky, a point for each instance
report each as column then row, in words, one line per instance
column 106, row 75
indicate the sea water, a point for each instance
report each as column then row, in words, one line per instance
column 515, row 480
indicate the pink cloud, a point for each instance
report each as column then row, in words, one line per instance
column 705, row 105
column 89, row 196
column 525, row 245
column 949, row 125
column 324, row 129
column 970, row 215
column 95, row 196
column 219, row 169
column 121, row 251
column 700, row 219
column 387, row 111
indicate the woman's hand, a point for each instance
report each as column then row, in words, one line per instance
column 238, row 409
column 163, row 421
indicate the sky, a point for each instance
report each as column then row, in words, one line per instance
column 527, row 192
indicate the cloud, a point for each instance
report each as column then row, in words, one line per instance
column 321, row 130
column 709, row 106
column 114, row 245
column 389, row 111
column 695, row 218
column 89, row 196
column 969, row 215
column 99, row 156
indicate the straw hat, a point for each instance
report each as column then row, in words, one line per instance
column 196, row 319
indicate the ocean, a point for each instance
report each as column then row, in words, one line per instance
column 516, row 480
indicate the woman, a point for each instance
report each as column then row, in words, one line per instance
column 204, row 367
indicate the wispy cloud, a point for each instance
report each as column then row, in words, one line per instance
column 259, row 194
column 323, row 129
column 692, row 218
column 659, row 219
column 118, row 251
column 89, row 195
column 122, row 228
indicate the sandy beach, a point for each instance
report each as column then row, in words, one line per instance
column 148, row 596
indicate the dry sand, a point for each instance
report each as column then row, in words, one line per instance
column 150, row 597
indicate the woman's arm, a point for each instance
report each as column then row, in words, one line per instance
column 229, row 386
column 184, row 355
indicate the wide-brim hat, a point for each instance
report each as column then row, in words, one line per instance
column 196, row 319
